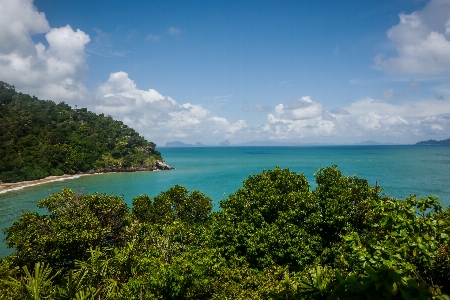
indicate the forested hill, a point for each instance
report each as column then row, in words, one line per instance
column 39, row 138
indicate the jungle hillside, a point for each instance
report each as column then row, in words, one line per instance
column 39, row 138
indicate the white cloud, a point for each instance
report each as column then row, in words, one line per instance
column 422, row 41
column 57, row 71
column 425, row 108
column 119, row 86
column 19, row 19
column 158, row 117
column 53, row 72
column 303, row 108
column 380, row 118
column 299, row 119
column 364, row 118
column 173, row 30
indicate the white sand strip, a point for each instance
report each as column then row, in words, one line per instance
column 7, row 187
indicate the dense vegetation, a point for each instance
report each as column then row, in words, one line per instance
column 40, row 138
column 274, row 238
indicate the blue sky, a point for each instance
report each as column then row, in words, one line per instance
column 208, row 71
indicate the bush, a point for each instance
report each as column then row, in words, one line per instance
column 33, row 172
column 56, row 172
column 275, row 238
column 11, row 176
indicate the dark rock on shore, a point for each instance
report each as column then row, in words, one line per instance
column 163, row 166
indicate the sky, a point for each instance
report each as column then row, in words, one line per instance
column 331, row 72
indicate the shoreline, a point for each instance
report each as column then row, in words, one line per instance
column 15, row 186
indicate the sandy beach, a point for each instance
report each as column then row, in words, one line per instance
column 7, row 187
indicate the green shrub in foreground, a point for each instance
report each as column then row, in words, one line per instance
column 274, row 238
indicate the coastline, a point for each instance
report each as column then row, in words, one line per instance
column 14, row 186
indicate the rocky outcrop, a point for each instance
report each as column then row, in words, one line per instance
column 159, row 165
column 163, row 166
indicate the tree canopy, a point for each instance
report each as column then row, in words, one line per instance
column 39, row 138
column 274, row 238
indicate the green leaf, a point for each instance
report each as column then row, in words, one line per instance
column 339, row 275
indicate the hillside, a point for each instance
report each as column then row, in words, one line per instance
column 40, row 138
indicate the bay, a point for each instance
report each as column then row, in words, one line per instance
column 219, row 171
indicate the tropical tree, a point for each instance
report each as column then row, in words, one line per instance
column 274, row 238
column 75, row 223
column 176, row 204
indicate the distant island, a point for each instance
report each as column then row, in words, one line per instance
column 198, row 144
column 266, row 143
column 434, row 142
column 40, row 138
column 372, row 143
column 224, row 143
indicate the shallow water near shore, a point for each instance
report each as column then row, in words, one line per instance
column 219, row 171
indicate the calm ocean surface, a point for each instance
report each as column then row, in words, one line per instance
column 218, row 172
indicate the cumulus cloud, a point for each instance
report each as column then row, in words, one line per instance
column 306, row 120
column 53, row 72
column 56, row 70
column 301, row 109
column 19, row 20
column 380, row 118
column 299, row 119
column 422, row 41
column 160, row 118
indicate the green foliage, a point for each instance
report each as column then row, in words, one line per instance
column 344, row 202
column 273, row 239
column 176, row 204
column 75, row 223
column 399, row 250
column 40, row 138
column 34, row 286
column 273, row 219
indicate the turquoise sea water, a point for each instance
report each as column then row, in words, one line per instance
column 218, row 172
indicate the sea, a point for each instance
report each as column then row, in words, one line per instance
column 217, row 172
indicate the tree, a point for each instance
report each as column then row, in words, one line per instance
column 176, row 204
column 273, row 239
column 76, row 222
column 36, row 286
column 41, row 138
column 273, row 219
column 344, row 203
